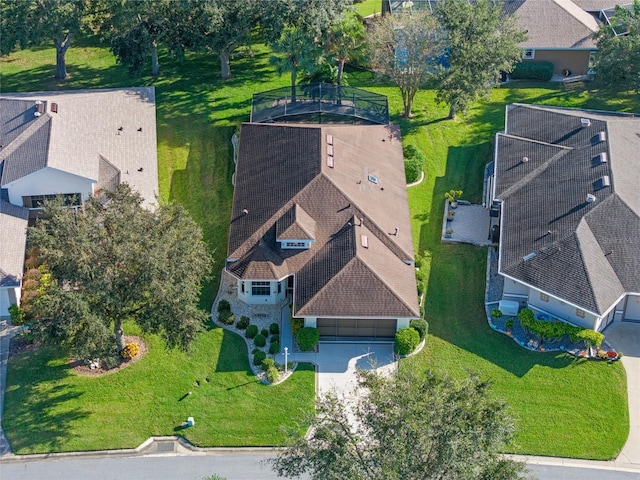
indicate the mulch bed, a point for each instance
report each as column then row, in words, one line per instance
column 80, row 366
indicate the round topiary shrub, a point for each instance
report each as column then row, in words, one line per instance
column 407, row 339
column 251, row 331
column 260, row 340
column 243, row 322
column 129, row 351
column 308, row 338
column 274, row 328
column 226, row 317
column 259, row 357
column 274, row 339
column 274, row 348
column 264, row 332
column 223, row 305
column 421, row 326
column 496, row 313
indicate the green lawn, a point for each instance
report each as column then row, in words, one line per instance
column 564, row 407
column 368, row 7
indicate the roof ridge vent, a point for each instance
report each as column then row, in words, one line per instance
column 591, row 198
column 585, row 122
column 529, row 256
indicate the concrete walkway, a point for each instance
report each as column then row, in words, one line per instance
column 625, row 337
column 6, row 332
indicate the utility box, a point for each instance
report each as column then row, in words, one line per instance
column 509, row 307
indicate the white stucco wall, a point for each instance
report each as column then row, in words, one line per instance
column 403, row 323
column 562, row 310
column 514, row 288
column 48, row 181
column 632, row 311
column 271, row 299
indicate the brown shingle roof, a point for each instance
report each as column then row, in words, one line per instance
column 283, row 181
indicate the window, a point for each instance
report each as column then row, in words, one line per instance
column 579, row 313
column 295, row 244
column 544, row 297
column 279, row 287
column 37, row 201
column 242, row 287
column 260, row 288
column 529, row 54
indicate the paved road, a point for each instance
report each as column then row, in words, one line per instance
column 233, row 466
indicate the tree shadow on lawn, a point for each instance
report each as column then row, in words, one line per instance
column 454, row 302
column 38, row 414
column 233, row 355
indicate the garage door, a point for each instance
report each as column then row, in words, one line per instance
column 356, row 329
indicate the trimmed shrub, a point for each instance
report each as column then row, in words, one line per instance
column 274, row 328
column 267, row 363
column 296, row 325
column 223, row 305
column 274, row 339
column 406, row 341
column 32, row 274
column 533, row 71
column 420, row 289
column 226, row 317
column 590, row 337
column 259, row 357
column 129, row 351
column 274, row 348
column 273, row 375
column 421, row 326
column 16, row 314
column 255, row 350
column 30, row 284
column 307, row 338
column 251, row 331
column 243, row 322
column 109, row 361
column 32, row 262
column 264, row 332
column 260, row 340
column 509, row 323
column 496, row 313
column 414, row 159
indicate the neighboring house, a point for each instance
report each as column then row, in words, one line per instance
column 567, row 184
column 561, row 31
column 321, row 213
column 73, row 144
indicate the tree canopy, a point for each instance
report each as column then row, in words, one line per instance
column 406, row 48
column 345, row 41
column 617, row 61
column 113, row 261
column 27, row 23
column 481, row 42
column 406, row 426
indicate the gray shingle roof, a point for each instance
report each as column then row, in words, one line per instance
column 13, row 225
column 27, row 153
column 552, row 238
column 554, row 24
column 284, row 183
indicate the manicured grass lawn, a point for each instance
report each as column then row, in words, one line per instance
column 368, row 7
column 51, row 408
column 563, row 407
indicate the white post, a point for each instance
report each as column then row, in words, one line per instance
column 286, row 355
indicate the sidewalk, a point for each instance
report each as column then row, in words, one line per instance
column 6, row 332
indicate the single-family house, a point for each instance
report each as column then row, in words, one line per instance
column 566, row 184
column 73, row 144
column 320, row 213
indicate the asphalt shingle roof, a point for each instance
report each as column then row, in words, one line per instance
column 284, row 185
column 553, row 238
column 13, row 238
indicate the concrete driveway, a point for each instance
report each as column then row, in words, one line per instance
column 337, row 363
column 625, row 337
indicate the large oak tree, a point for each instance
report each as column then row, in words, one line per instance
column 409, row 426
column 114, row 261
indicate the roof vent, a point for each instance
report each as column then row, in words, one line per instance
column 591, row 198
column 36, row 114
column 602, row 182
column 54, row 107
column 525, row 159
column 585, row 122
column 602, row 157
column 364, row 240
column 529, row 256
column 329, row 149
column 602, row 136
column 329, row 139
column 373, row 178
column 329, row 161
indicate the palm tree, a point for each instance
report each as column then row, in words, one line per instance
column 299, row 50
column 346, row 41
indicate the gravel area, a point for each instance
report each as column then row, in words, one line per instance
column 495, row 281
